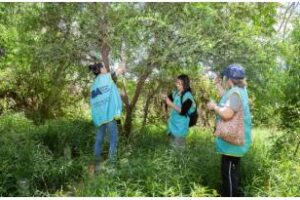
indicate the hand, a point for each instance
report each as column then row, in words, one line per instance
column 211, row 105
column 168, row 101
column 217, row 80
column 218, row 83
column 120, row 70
column 163, row 96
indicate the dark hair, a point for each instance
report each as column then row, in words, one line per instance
column 95, row 68
column 186, row 83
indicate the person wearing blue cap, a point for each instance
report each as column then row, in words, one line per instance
column 106, row 108
column 233, row 130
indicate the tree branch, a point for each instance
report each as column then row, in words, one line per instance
column 288, row 18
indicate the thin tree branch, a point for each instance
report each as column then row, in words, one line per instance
column 288, row 18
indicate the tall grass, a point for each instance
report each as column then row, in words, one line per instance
column 34, row 160
column 52, row 160
column 150, row 167
column 270, row 167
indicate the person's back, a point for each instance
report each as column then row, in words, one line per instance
column 105, row 100
column 106, row 106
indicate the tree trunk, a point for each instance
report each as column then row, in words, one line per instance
column 128, row 123
column 130, row 107
column 103, row 39
column 105, row 54
column 146, row 109
column 148, row 103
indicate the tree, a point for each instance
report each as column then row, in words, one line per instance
column 49, row 46
column 43, row 59
column 291, row 108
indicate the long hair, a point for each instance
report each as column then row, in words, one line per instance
column 186, row 83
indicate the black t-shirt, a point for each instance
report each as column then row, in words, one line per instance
column 186, row 105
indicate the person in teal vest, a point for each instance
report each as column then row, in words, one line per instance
column 234, row 99
column 106, row 107
column 182, row 104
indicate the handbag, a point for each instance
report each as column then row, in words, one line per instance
column 232, row 130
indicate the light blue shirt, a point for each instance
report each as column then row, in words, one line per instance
column 106, row 103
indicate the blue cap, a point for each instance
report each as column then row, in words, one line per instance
column 234, row 71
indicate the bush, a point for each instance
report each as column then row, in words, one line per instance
column 38, row 161
column 270, row 168
column 67, row 138
column 148, row 167
column 34, row 160
column 290, row 116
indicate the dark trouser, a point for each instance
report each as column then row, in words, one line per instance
column 230, row 170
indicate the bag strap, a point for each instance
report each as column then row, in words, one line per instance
column 193, row 101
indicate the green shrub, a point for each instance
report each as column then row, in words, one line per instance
column 39, row 161
column 148, row 166
column 34, row 160
column 270, row 168
column 63, row 137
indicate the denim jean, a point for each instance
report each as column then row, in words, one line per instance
column 112, row 129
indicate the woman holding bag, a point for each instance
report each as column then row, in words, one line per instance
column 233, row 129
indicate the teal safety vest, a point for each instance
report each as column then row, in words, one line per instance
column 106, row 103
column 178, row 124
column 226, row 148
